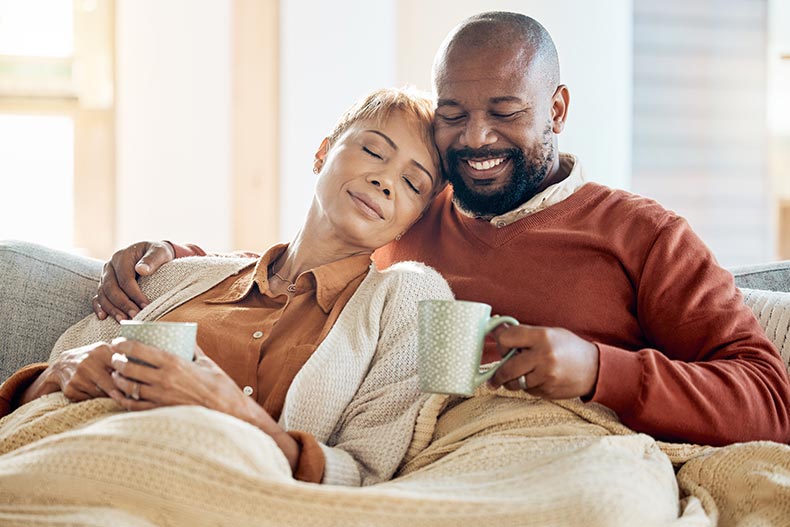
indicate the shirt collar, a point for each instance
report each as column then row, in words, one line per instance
column 242, row 286
column 328, row 280
column 548, row 197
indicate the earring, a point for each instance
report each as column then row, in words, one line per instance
column 315, row 170
column 398, row 237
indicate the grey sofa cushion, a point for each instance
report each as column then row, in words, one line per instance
column 772, row 309
column 42, row 292
column 773, row 276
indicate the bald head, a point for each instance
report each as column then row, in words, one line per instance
column 514, row 33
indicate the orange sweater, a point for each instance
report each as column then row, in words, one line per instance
column 681, row 357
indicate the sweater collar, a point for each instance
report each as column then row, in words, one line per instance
column 550, row 196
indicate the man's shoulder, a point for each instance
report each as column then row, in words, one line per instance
column 626, row 204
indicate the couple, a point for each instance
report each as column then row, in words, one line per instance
column 625, row 306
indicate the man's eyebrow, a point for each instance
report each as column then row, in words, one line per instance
column 447, row 102
column 506, row 98
column 385, row 137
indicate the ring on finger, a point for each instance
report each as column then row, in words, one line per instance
column 136, row 391
column 522, row 383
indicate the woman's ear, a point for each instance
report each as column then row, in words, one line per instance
column 320, row 155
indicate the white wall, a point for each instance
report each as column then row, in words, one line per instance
column 347, row 47
column 593, row 40
column 173, row 116
column 331, row 53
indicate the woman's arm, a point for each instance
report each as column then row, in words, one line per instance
column 376, row 428
column 172, row 381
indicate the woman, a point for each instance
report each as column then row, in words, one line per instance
column 310, row 343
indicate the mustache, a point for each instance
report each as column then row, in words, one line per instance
column 455, row 155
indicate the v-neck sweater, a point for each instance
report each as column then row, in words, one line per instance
column 681, row 357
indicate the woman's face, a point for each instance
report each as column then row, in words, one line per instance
column 375, row 181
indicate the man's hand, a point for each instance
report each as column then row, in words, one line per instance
column 556, row 363
column 119, row 295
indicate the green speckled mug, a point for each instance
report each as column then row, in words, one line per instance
column 450, row 343
column 177, row 338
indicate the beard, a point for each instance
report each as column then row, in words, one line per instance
column 525, row 180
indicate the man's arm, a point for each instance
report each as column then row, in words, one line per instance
column 119, row 296
column 706, row 373
column 710, row 374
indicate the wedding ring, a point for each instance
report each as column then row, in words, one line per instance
column 136, row 391
column 522, row 383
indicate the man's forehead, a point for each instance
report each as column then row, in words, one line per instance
column 510, row 66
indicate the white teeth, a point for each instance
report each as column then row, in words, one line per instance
column 485, row 165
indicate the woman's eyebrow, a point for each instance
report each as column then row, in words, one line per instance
column 418, row 165
column 385, row 137
column 395, row 147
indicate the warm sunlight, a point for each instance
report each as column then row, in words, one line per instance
column 24, row 31
column 37, row 163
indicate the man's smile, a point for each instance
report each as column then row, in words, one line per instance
column 485, row 172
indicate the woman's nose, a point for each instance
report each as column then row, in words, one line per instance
column 380, row 184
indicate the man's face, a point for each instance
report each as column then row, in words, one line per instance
column 493, row 129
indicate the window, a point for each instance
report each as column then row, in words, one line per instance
column 56, row 105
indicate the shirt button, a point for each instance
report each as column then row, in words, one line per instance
column 247, row 390
column 257, row 334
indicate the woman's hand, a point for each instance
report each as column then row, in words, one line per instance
column 171, row 380
column 80, row 373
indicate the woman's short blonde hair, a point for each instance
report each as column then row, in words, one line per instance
column 378, row 105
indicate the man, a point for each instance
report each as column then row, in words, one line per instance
column 620, row 302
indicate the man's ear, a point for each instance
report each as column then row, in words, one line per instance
column 320, row 155
column 559, row 108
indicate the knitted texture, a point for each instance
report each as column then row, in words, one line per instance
column 772, row 309
column 358, row 393
column 502, row 458
column 621, row 271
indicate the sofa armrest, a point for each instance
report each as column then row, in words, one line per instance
column 774, row 276
column 772, row 309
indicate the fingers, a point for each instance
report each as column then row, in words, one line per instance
column 132, row 395
column 110, row 298
column 157, row 254
column 85, row 373
column 154, row 358
column 119, row 295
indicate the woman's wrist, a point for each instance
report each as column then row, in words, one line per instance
column 257, row 416
column 41, row 386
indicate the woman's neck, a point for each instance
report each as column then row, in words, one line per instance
column 311, row 248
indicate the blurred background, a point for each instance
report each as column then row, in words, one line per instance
column 197, row 121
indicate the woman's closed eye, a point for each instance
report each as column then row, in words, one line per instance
column 371, row 152
column 411, row 185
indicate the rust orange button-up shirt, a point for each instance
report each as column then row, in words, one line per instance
column 262, row 340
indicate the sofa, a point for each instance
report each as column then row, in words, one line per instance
column 766, row 289
column 580, row 464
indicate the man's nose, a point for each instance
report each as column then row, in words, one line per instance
column 477, row 133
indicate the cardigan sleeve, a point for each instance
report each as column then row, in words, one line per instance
column 710, row 375
column 376, row 427
column 12, row 389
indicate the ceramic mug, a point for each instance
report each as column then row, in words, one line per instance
column 450, row 345
column 177, row 338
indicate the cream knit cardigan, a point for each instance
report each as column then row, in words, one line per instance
column 358, row 393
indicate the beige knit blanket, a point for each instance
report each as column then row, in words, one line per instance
column 494, row 459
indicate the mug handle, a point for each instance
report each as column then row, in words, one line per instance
column 493, row 322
